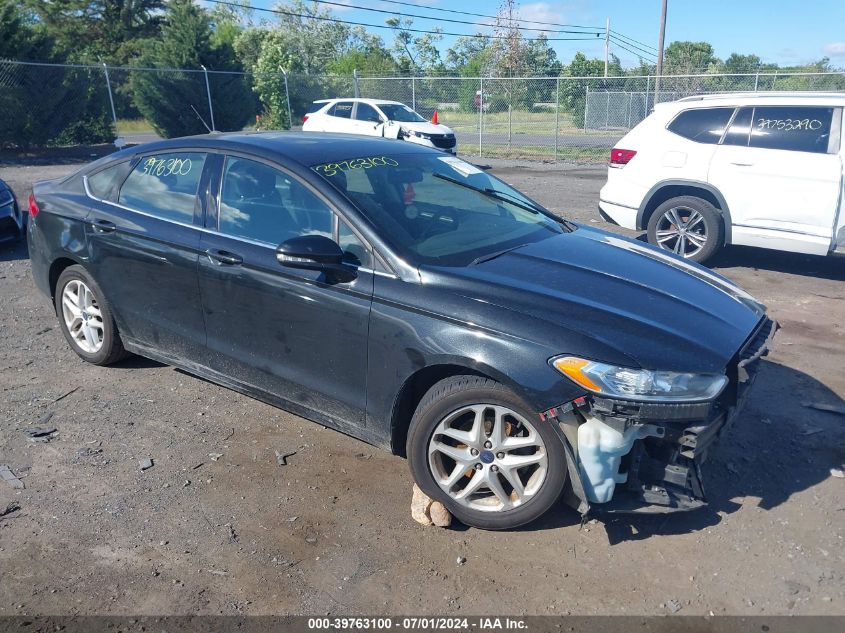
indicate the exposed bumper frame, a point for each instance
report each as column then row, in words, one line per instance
column 663, row 474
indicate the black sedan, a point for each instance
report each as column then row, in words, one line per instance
column 12, row 219
column 414, row 301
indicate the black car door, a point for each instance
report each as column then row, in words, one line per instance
column 295, row 334
column 143, row 240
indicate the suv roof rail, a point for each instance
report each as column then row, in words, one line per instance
column 763, row 94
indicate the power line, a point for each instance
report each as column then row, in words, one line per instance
column 427, row 17
column 384, row 26
column 632, row 41
column 639, row 51
column 482, row 15
column 635, row 53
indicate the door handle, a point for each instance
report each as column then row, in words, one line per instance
column 104, row 226
column 224, row 257
column 743, row 164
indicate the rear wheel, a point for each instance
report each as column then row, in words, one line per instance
column 687, row 226
column 86, row 318
column 474, row 446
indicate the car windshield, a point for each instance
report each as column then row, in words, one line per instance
column 399, row 112
column 440, row 210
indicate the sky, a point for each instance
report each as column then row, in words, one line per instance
column 786, row 33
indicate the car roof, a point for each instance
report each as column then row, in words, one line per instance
column 359, row 100
column 305, row 148
column 760, row 98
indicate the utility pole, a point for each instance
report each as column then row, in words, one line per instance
column 660, row 51
column 606, row 45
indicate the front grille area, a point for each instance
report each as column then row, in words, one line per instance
column 757, row 345
column 443, row 141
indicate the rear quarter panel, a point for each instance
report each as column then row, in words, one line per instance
column 58, row 231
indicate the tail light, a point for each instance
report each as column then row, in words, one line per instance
column 305, row 118
column 33, row 207
column 621, row 156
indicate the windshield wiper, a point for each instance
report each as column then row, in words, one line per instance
column 486, row 258
column 492, row 193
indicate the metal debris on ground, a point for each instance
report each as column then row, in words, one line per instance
column 282, row 458
column 215, row 456
column 41, row 434
column 145, row 464
column 66, row 394
column 839, row 409
column 674, row 606
column 461, row 560
column 10, row 509
column 8, row 476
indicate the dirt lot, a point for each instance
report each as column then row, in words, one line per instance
column 331, row 532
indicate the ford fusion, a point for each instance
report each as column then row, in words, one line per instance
column 411, row 300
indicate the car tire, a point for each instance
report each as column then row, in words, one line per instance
column 702, row 227
column 462, row 402
column 87, row 323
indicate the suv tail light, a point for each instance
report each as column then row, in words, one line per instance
column 621, row 156
column 305, row 118
column 33, row 207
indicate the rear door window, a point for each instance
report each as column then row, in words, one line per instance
column 740, row 128
column 798, row 129
column 342, row 110
column 702, row 125
column 165, row 185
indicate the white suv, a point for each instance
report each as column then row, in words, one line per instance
column 377, row 117
column 759, row 169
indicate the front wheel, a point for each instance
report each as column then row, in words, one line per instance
column 688, row 226
column 474, row 446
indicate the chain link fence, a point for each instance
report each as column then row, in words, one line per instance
column 559, row 118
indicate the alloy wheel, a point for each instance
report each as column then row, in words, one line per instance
column 487, row 457
column 82, row 316
column 682, row 230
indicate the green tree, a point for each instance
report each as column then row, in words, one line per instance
column 98, row 30
column 416, row 53
column 175, row 102
column 20, row 38
column 688, row 58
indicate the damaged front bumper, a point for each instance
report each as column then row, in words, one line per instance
column 637, row 457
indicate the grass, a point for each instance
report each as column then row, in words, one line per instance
column 133, row 126
column 522, row 122
column 583, row 155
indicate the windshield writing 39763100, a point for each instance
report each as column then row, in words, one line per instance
column 330, row 169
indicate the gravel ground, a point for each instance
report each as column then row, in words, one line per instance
column 331, row 531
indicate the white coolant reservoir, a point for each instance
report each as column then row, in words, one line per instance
column 600, row 450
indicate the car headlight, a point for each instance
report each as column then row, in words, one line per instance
column 418, row 134
column 639, row 384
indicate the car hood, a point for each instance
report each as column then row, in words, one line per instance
column 653, row 308
column 427, row 128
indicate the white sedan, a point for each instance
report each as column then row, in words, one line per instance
column 376, row 117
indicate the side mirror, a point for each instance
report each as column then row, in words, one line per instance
column 314, row 252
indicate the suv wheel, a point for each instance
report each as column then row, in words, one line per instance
column 474, row 446
column 86, row 318
column 688, row 226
